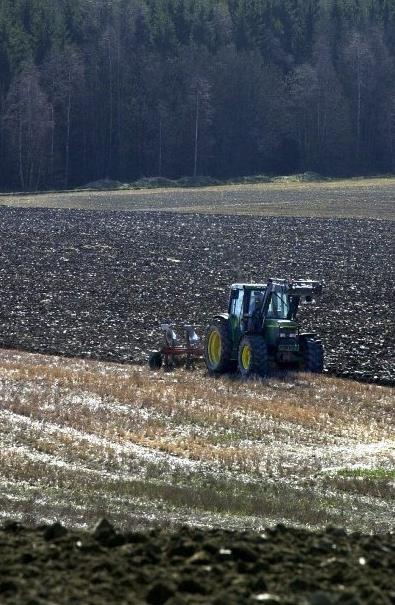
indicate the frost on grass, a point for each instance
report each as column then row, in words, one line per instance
column 82, row 438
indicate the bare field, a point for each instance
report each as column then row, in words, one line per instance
column 83, row 439
column 98, row 284
column 355, row 198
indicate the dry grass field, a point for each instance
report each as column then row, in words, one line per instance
column 354, row 198
column 83, row 439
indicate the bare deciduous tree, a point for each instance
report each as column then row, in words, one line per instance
column 64, row 76
column 28, row 124
column 360, row 65
column 200, row 97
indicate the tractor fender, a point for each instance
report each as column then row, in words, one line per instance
column 222, row 317
column 306, row 335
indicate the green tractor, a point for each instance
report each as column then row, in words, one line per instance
column 260, row 330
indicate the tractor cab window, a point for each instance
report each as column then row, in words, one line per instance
column 256, row 301
column 236, row 303
column 278, row 306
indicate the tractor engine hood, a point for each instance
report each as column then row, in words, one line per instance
column 276, row 330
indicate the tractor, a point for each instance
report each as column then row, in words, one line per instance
column 260, row 330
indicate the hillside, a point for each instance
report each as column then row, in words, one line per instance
column 352, row 198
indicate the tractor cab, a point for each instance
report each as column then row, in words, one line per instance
column 260, row 309
column 278, row 299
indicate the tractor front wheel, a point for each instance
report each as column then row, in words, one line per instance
column 218, row 348
column 253, row 357
column 313, row 356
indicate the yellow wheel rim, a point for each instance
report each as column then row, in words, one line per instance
column 214, row 348
column 246, row 357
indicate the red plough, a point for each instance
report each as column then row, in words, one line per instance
column 173, row 349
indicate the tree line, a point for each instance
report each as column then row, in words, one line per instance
column 121, row 89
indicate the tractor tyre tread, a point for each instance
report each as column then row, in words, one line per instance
column 225, row 364
column 314, row 357
column 259, row 357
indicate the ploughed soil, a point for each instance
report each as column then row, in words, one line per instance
column 53, row 565
column 98, row 284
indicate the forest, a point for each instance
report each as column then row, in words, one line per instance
column 124, row 89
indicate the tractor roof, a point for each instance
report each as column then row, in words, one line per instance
column 298, row 287
column 248, row 286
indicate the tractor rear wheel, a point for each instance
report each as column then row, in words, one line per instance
column 313, row 356
column 155, row 360
column 218, row 348
column 253, row 358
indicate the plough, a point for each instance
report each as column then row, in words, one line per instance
column 173, row 349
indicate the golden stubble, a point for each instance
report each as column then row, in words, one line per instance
column 189, row 414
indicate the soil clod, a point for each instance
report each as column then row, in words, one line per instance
column 295, row 573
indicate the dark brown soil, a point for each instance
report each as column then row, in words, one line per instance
column 98, row 284
column 53, row 565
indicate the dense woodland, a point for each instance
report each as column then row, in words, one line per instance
column 121, row 89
